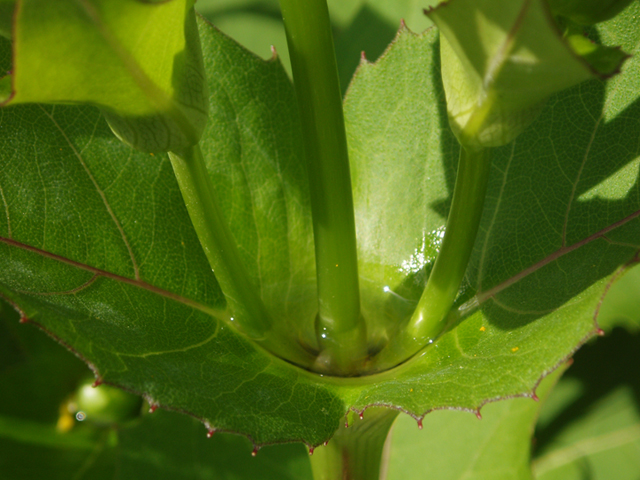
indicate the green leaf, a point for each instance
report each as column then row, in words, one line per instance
column 253, row 150
column 388, row 104
column 103, row 255
column 501, row 60
column 548, row 246
column 113, row 251
column 590, row 427
column 40, row 375
column 455, row 445
column 139, row 61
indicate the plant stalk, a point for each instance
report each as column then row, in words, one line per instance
column 340, row 328
column 247, row 308
column 355, row 453
column 448, row 271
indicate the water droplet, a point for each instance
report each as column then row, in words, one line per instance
column 430, row 341
column 311, row 449
column 231, row 319
column 386, row 289
column 210, row 433
column 80, row 416
column 420, row 424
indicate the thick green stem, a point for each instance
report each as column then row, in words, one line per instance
column 355, row 453
column 215, row 237
column 340, row 327
column 448, row 271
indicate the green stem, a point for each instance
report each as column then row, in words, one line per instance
column 340, row 328
column 247, row 308
column 451, row 264
column 355, row 453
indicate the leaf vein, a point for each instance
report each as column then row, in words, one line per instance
column 483, row 296
column 213, row 311
column 98, row 190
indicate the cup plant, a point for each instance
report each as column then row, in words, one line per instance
column 277, row 262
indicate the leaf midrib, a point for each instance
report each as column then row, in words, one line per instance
column 601, row 234
column 219, row 314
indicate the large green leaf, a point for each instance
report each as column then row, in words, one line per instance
column 102, row 253
column 561, row 217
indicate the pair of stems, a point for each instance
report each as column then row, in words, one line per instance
column 340, row 327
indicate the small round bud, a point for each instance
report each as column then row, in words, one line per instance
column 105, row 404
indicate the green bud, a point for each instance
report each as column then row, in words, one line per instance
column 501, row 59
column 105, row 404
column 588, row 12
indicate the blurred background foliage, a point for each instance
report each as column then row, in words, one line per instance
column 359, row 26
